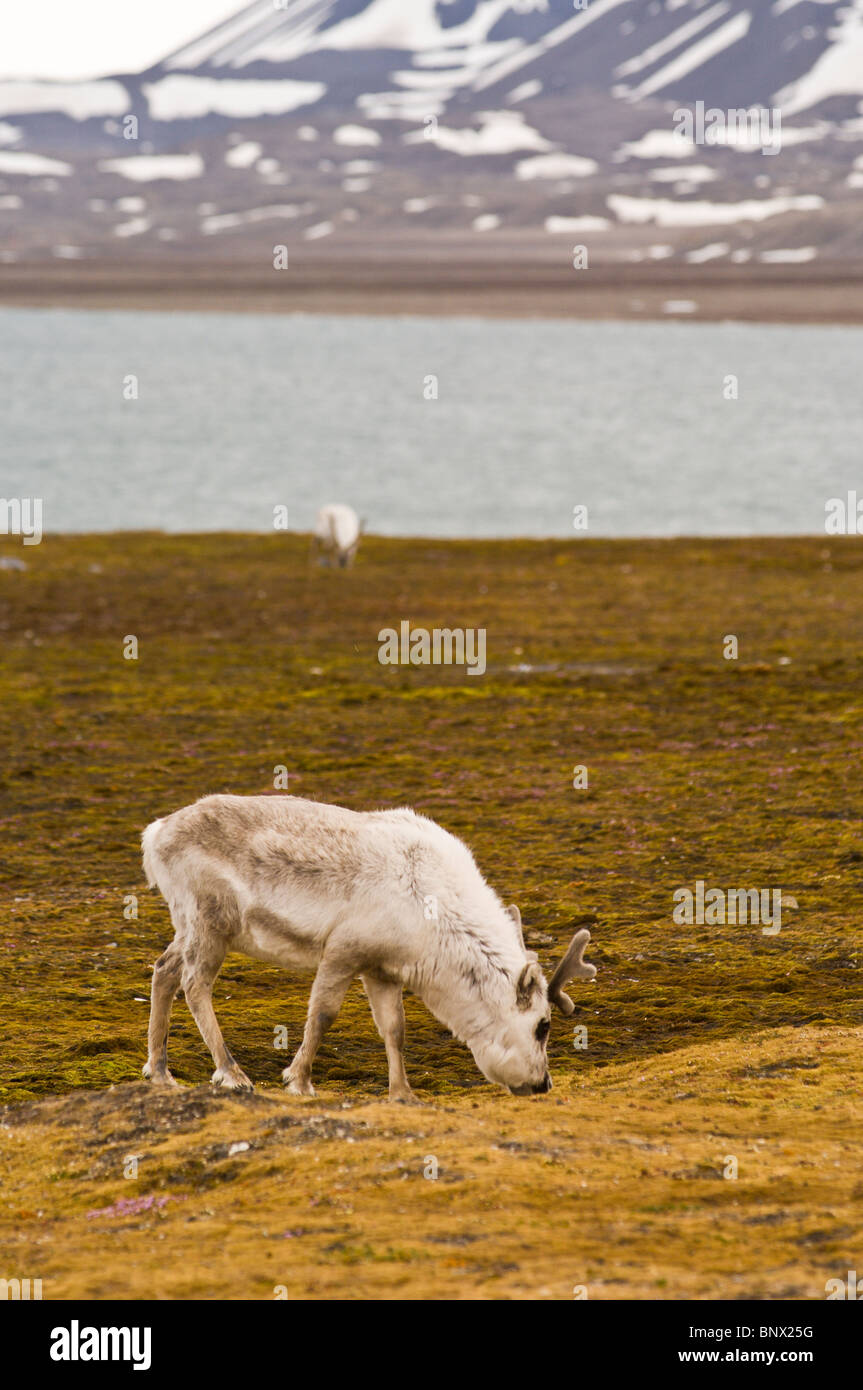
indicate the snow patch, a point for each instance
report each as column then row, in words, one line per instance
column 658, row 144
column 559, row 225
column 227, row 221
column 692, row 173
column 792, row 256
column 525, row 91
column 144, row 168
column 356, row 135
column 667, row 213
column 79, row 100
column 242, row 156
column 403, row 106
column 799, row 134
column 711, row 252
column 184, row 97
column 30, row 165
column 136, row 227
column 556, row 166
column 500, row 132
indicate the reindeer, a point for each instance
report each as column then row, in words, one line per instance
column 337, row 534
column 388, row 896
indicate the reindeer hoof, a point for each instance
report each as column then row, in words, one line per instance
column 159, row 1076
column 232, row 1080
column 294, row 1087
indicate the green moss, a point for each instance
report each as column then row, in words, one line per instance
column 740, row 773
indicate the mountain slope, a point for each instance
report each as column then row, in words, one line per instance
column 360, row 122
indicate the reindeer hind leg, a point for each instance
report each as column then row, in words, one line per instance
column 205, row 952
column 166, row 982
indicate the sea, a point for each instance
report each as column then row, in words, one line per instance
column 450, row 427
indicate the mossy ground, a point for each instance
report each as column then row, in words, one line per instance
column 741, row 773
column 613, row 1185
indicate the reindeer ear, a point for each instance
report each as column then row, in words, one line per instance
column 529, row 981
column 513, row 912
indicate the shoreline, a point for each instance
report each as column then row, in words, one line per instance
column 530, row 290
column 690, row 538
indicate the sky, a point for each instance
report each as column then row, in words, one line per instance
column 88, row 38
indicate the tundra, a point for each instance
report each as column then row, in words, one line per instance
column 388, row 896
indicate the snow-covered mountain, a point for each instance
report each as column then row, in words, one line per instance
column 412, row 124
column 402, row 57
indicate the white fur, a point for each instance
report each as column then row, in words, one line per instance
column 385, row 895
column 337, row 532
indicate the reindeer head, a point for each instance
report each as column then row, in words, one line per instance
column 512, row 1052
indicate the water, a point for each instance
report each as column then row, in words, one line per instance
column 238, row 414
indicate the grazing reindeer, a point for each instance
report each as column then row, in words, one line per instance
column 388, row 896
column 337, row 533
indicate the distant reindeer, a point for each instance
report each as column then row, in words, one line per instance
column 388, row 896
column 337, row 534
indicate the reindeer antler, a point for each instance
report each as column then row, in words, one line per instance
column 572, row 967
